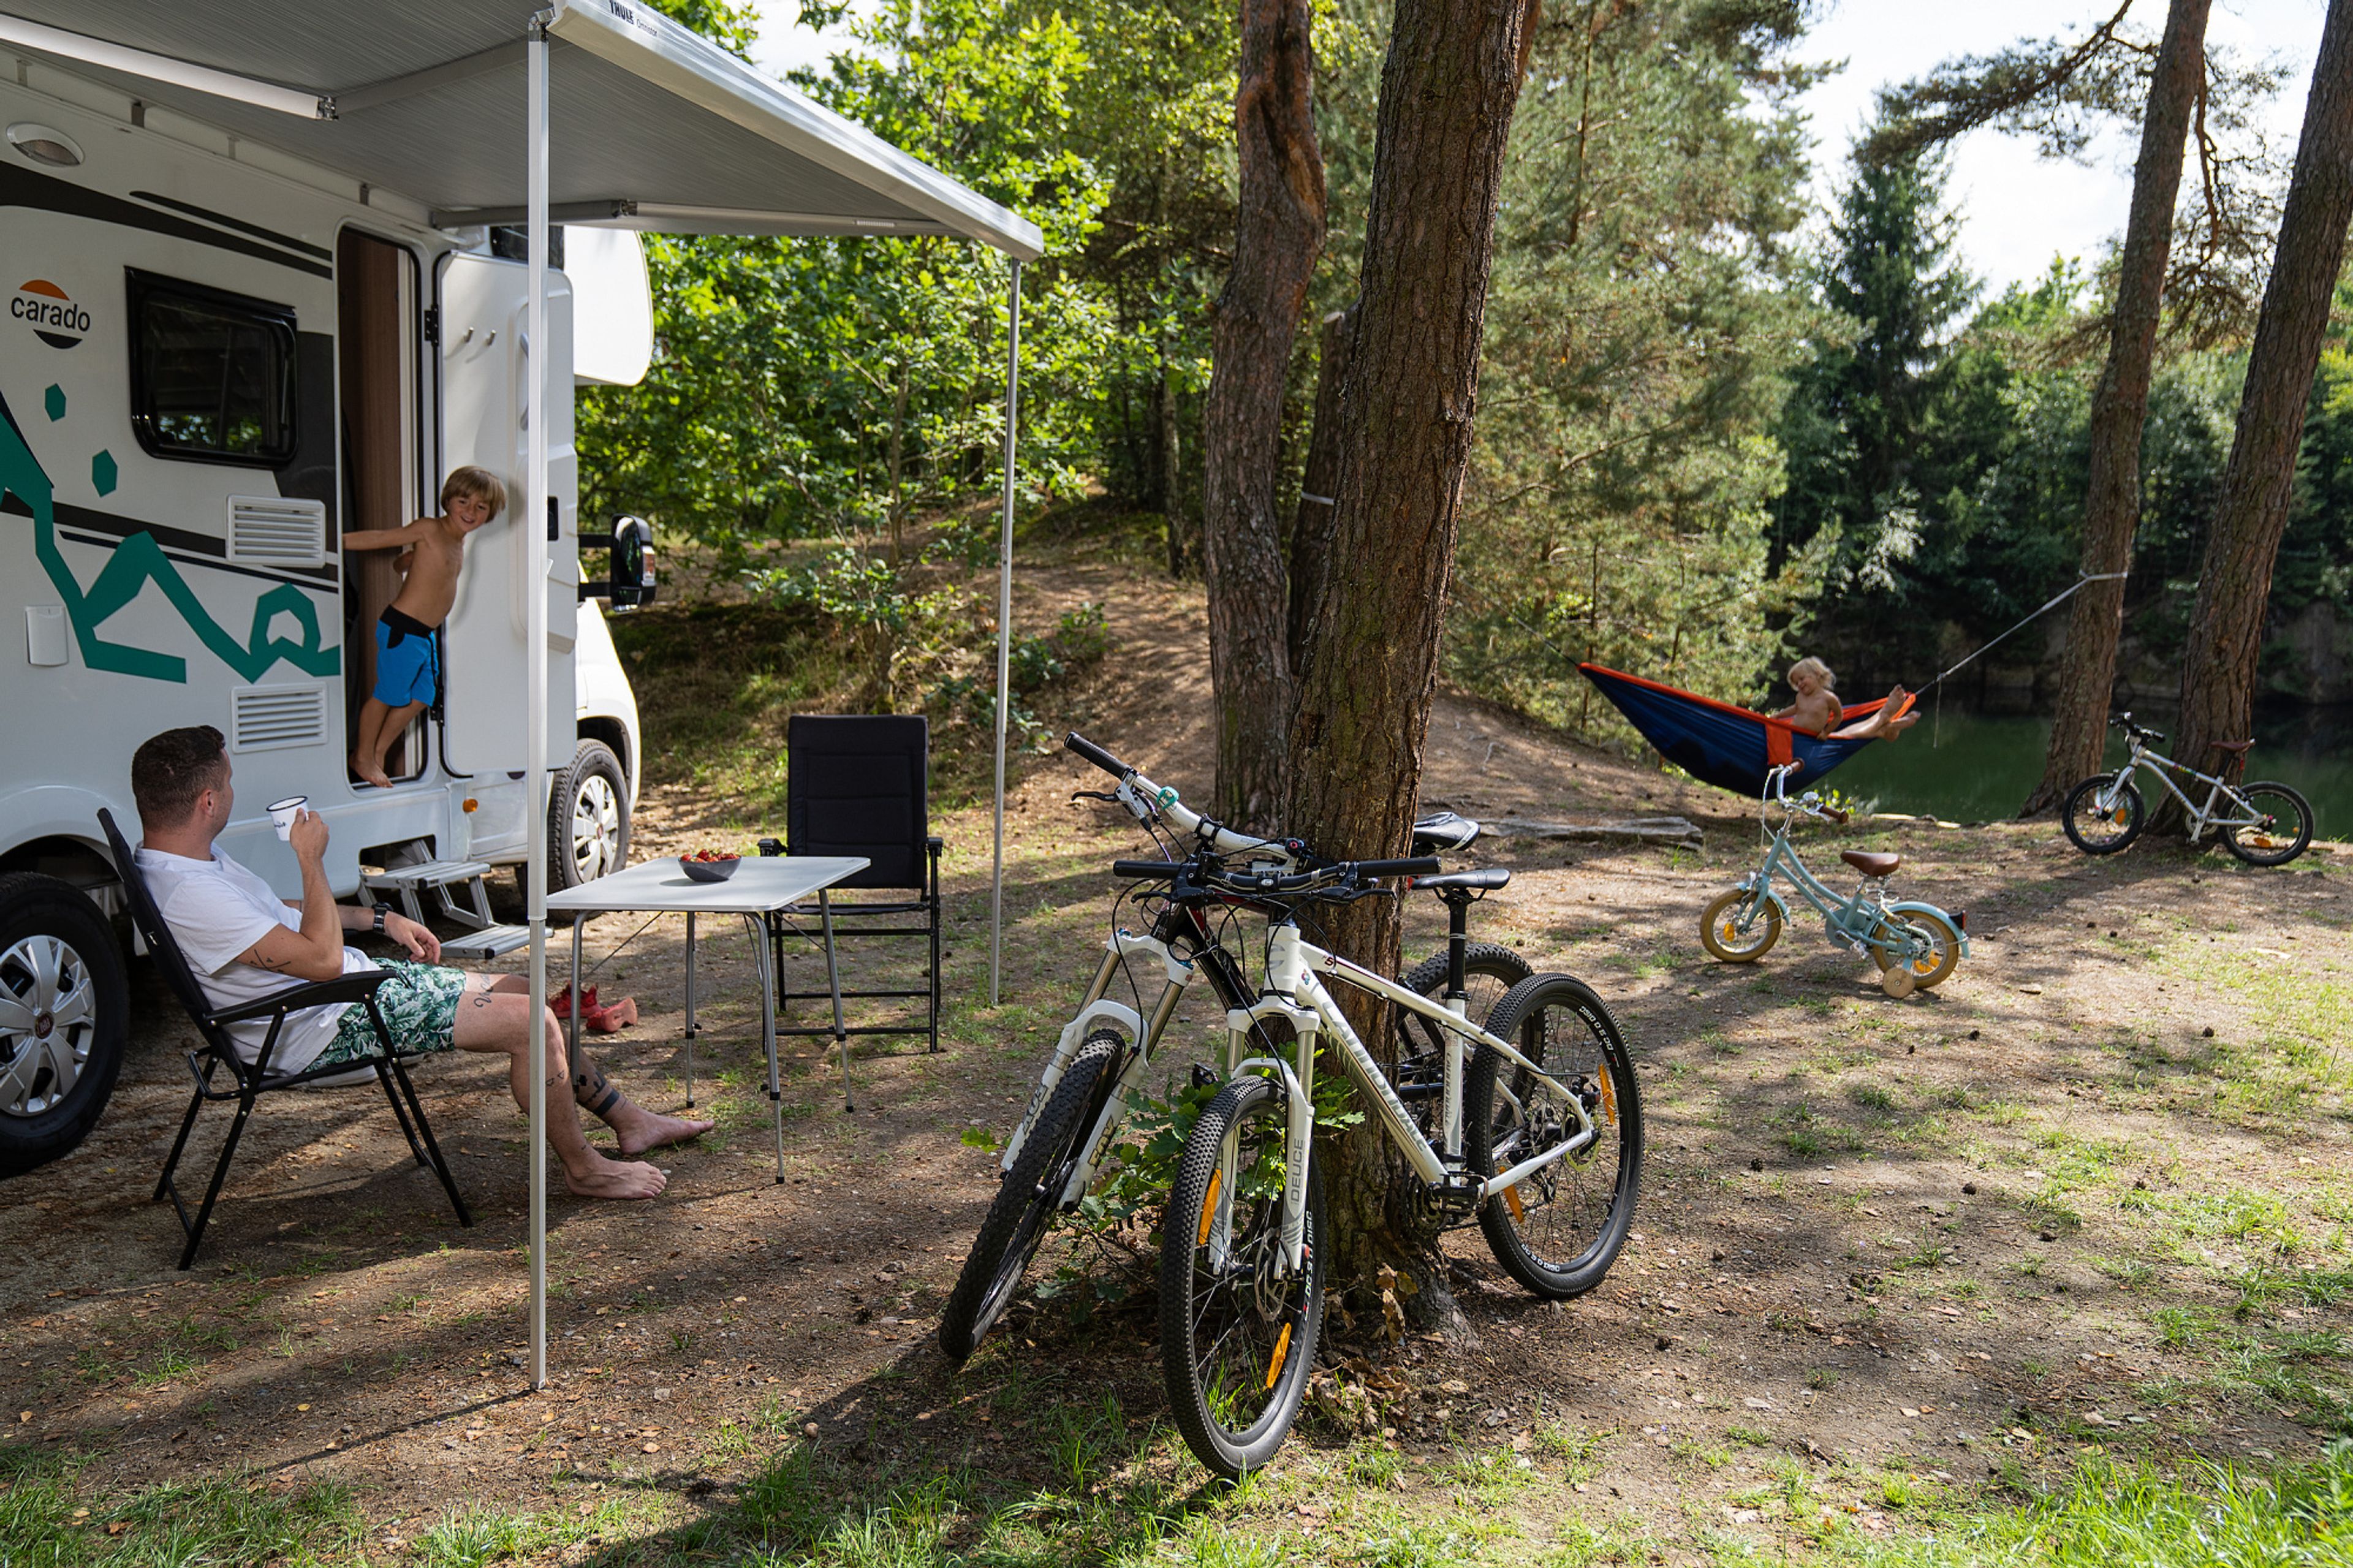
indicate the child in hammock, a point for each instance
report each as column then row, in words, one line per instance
column 1818, row 708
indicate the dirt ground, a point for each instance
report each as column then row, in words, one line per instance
column 2093, row 1191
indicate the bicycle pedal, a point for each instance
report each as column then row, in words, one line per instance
column 1203, row 1079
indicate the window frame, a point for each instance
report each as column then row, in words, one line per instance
column 278, row 323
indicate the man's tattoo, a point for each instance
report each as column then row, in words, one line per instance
column 589, row 1087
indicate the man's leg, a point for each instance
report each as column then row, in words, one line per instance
column 502, row 1021
column 635, row 1127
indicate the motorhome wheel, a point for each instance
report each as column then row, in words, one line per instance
column 587, row 818
column 64, row 1014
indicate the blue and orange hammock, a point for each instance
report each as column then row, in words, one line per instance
column 1718, row 743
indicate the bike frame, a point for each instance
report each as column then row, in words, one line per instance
column 1854, row 918
column 2160, row 767
column 1295, row 993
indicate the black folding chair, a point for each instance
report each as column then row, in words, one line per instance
column 857, row 784
column 248, row 1081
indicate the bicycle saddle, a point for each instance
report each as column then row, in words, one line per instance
column 1485, row 880
column 1443, row 830
column 2239, row 746
column 1870, row 863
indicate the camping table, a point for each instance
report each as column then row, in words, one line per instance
column 760, row 887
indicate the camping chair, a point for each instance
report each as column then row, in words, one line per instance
column 247, row 1081
column 856, row 784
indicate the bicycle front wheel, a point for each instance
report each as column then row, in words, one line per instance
column 1238, row 1327
column 1557, row 1230
column 1028, row 1195
column 2103, row 813
column 2284, row 827
column 1739, row 927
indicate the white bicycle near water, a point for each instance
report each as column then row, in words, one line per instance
column 2264, row 824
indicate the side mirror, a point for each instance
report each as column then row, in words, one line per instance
column 631, row 582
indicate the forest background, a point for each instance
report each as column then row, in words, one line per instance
column 1712, row 433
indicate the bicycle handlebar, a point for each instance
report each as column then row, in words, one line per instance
column 1155, row 868
column 1096, row 754
column 1340, row 877
column 1144, row 797
column 2124, row 722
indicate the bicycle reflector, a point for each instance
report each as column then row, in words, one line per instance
column 1961, row 920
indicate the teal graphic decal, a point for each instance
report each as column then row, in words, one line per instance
column 137, row 563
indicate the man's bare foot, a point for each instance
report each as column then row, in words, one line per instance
column 639, row 1130
column 371, row 771
column 603, row 1178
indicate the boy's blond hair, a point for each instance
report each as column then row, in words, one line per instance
column 1815, row 668
column 476, row 484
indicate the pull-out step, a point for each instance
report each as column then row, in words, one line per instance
column 480, row 946
column 463, row 893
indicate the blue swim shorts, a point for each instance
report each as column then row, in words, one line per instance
column 406, row 669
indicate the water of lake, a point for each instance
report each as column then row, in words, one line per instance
column 1978, row 767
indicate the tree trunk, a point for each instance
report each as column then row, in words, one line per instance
column 2218, row 668
column 1447, row 90
column 1311, row 530
column 2079, row 727
column 1278, row 234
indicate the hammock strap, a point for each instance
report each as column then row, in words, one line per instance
column 2053, row 602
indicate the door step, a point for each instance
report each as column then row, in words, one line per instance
column 446, row 879
column 486, row 944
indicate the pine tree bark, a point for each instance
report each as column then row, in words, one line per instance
column 1310, row 527
column 2119, row 409
column 1279, row 233
column 1447, row 90
column 2219, row 666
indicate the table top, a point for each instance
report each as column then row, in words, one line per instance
column 762, row 883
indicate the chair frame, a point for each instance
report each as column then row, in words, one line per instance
column 247, row 1081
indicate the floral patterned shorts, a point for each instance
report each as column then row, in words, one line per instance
column 419, row 1005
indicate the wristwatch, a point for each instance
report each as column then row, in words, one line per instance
column 381, row 911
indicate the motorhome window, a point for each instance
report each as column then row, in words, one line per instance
column 212, row 374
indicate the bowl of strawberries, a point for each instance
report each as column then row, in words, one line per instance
column 709, row 866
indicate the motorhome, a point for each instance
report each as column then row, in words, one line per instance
column 215, row 362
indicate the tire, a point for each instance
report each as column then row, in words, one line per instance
column 1931, row 967
column 1489, row 971
column 1572, row 1218
column 2098, row 832
column 1028, row 1196
column 1236, row 1346
column 65, row 1013
column 587, row 821
column 1720, row 931
column 2285, row 836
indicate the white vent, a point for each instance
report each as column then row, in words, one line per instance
column 271, row 532
column 267, row 718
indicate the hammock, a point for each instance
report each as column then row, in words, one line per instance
column 1718, row 743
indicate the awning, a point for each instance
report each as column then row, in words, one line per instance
column 651, row 127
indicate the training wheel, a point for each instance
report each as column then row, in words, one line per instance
column 1898, row 982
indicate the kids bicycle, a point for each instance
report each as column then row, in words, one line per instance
column 2264, row 824
column 1915, row 944
column 1104, row 1055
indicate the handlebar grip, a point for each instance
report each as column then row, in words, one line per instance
column 1837, row 815
column 1419, row 866
column 1162, row 868
column 1096, row 754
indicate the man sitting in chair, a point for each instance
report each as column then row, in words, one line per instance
column 241, row 940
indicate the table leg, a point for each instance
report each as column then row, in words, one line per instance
column 833, row 984
column 690, row 1011
column 768, row 1032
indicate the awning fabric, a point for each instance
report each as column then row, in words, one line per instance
column 652, row 126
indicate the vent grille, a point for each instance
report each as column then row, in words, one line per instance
column 268, row 718
column 272, row 532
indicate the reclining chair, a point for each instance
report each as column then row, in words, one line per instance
column 249, row 1080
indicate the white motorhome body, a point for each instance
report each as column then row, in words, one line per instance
column 216, row 363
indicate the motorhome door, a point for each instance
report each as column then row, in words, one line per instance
column 485, row 412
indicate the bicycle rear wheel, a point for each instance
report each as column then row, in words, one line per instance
column 1028, row 1195
column 1559, row 1229
column 1489, row 969
column 2103, row 813
column 1237, row 1329
column 2283, row 833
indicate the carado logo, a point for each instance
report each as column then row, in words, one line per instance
column 55, row 320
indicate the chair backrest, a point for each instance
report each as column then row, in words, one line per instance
column 856, row 784
column 149, row 922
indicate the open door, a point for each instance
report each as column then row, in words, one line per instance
column 485, row 383
column 375, row 316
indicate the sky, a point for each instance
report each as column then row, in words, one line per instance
column 2017, row 209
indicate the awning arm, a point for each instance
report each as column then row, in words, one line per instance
column 92, row 51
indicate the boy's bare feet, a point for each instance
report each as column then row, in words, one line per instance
column 371, row 771
column 603, row 1178
column 639, row 1130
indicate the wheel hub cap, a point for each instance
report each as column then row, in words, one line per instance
column 48, row 1016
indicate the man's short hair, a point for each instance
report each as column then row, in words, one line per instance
column 171, row 769
column 479, row 484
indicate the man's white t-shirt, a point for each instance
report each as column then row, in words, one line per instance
column 217, row 909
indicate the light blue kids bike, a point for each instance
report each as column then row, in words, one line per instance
column 1915, row 944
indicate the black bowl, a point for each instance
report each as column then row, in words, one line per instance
column 708, row 870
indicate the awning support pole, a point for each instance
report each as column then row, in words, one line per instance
column 1005, row 623
column 533, row 522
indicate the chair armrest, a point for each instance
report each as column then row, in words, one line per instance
column 316, row 994
column 935, row 845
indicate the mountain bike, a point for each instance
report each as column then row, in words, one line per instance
column 1915, row 944
column 1540, row 1140
column 1102, row 1057
column 2264, row 824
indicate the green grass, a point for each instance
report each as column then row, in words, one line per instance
column 50, row 1518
